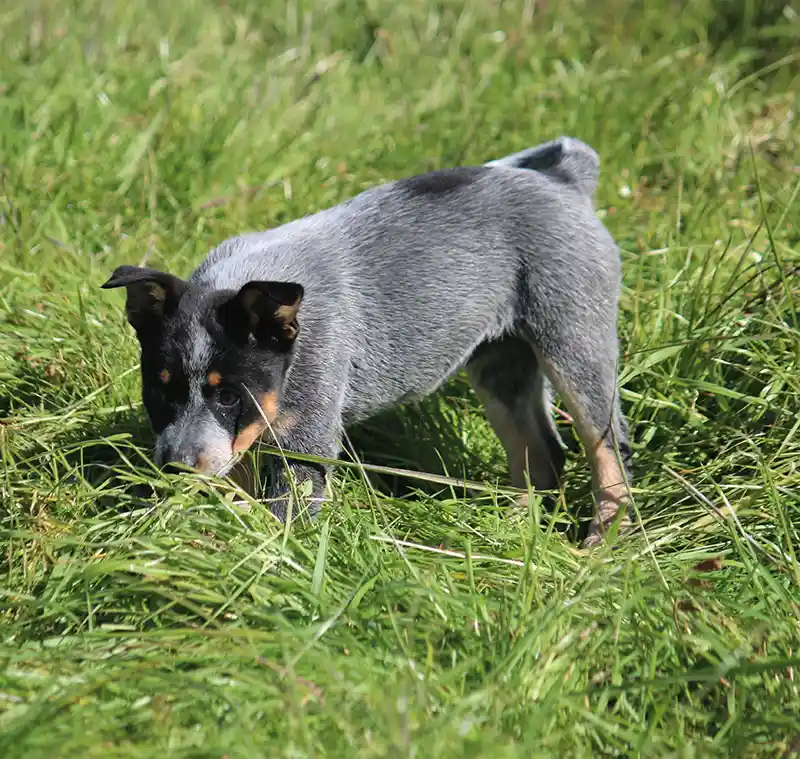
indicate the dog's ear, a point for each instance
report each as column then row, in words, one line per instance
column 265, row 310
column 151, row 295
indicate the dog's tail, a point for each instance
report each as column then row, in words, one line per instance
column 566, row 159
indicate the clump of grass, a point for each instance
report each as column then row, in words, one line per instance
column 148, row 615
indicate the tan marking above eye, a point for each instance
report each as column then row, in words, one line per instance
column 164, row 376
column 214, row 378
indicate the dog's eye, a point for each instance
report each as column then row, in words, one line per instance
column 227, row 397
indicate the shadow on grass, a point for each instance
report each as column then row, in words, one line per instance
column 443, row 434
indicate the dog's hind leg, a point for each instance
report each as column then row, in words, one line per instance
column 516, row 395
column 579, row 352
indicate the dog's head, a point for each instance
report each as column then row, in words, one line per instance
column 213, row 363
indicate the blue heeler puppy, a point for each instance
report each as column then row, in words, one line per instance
column 503, row 269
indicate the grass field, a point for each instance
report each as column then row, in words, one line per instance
column 151, row 616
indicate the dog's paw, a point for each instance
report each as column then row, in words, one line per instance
column 297, row 492
column 592, row 540
column 606, row 517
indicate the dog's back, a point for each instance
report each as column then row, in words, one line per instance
column 403, row 281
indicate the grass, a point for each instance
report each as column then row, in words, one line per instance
column 151, row 616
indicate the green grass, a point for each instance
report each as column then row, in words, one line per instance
column 152, row 616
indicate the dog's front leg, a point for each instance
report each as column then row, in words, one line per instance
column 288, row 483
column 288, row 477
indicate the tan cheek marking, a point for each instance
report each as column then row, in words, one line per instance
column 214, row 379
column 164, row 376
column 254, row 430
column 248, row 436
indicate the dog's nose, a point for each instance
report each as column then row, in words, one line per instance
column 175, row 461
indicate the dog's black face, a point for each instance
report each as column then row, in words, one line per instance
column 212, row 365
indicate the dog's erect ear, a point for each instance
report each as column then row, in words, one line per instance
column 151, row 295
column 265, row 310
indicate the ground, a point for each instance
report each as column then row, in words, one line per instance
column 151, row 616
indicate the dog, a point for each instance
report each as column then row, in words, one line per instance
column 502, row 268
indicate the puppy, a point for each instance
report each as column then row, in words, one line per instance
column 301, row 330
